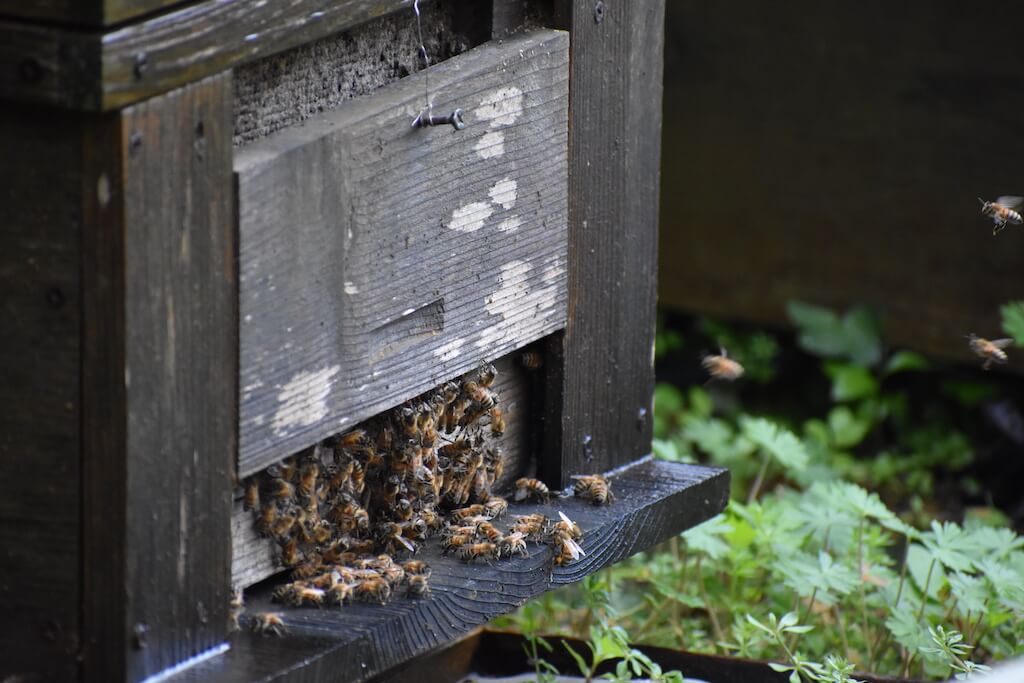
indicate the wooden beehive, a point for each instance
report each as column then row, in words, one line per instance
column 226, row 243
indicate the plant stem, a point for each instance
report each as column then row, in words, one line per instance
column 715, row 626
column 759, row 479
column 903, row 572
column 842, row 633
column 924, row 593
column 863, row 595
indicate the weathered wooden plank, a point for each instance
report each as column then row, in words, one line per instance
column 614, row 140
column 378, row 259
column 161, row 383
column 168, row 50
column 40, row 291
column 655, row 500
column 83, row 12
column 254, row 557
column 854, row 179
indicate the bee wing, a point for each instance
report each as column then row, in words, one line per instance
column 407, row 543
column 1010, row 201
column 574, row 549
column 1001, row 343
column 564, row 517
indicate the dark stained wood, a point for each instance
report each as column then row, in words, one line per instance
column 168, row 50
column 161, row 387
column 836, row 158
column 655, row 500
column 507, row 16
column 40, row 305
column 614, row 141
column 377, row 259
column 83, row 12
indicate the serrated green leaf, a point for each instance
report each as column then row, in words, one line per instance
column 821, row 331
column 919, row 563
column 779, row 442
column 780, row 668
column 862, row 333
column 906, row 630
column 950, row 545
column 1013, row 320
column 850, row 382
column 905, row 361
column 707, row 537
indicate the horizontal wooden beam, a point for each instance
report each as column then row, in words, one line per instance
column 654, row 501
column 91, row 13
column 101, row 71
column 377, row 260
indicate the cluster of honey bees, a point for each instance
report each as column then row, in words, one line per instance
column 347, row 514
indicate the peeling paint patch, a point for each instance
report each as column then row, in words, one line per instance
column 553, row 271
column 510, row 224
column 350, row 288
column 490, row 145
column 470, row 217
column 303, row 400
column 512, row 285
column 505, row 192
column 501, row 107
column 449, row 350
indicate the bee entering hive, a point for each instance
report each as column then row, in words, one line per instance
column 348, row 514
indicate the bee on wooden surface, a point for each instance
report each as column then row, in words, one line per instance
column 322, row 532
column 1002, row 211
column 267, row 518
column 268, row 624
column 989, row 350
column 357, row 480
column 415, row 529
column 535, row 488
column 352, row 439
column 567, row 527
column 235, row 609
column 290, row 553
column 339, row 593
column 416, row 567
column 567, row 550
column 375, row 589
column 497, row 421
column 402, row 511
column 467, row 512
column 532, row 360
column 389, row 534
column 307, row 479
column 478, row 551
column 416, row 585
column 720, row 366
column 489, row 531
column 456, row 542
column 431, row 519
column 486, row 374
column 282, row 526
column 325, row 580
column 531, row 526
column 337, row 552
column 513, row 544
column 252, row 494
column 286, row 469
column 394, row 574
column 306, row 570
column 361, row 545
column 308, row 595
column 495, row 506
column 593, row 487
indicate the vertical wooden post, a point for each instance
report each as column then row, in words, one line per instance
column 160, row 382
column 607, row 377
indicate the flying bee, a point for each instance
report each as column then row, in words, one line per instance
column 531, row 526
column 593, row 487
column 720, row 366
column 567, row 527
column 497, row 421
column 413, row 567
column 252, row 494
column 376, row 589
column 1002, row 211
column 513, row 544
column 495, row 506
column 990, row 350
column 476, row 551
column 416, row 585
column 527, row 487
column 489, row 531
column 531, row 360
column 268, row 624
column 307, row 479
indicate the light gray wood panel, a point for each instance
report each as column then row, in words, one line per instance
column 377, row 259
column 254, row 557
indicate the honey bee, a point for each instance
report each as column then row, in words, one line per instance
column 485, row 375
column 268, row 624
column 282, row 526
column 990, row 350
column 431, row 519
column 416, row 585
column 252, row 494
column 357, row 480
column 467, row 512
column 307, row 479
column 339, row 593
column 290, row 553
column 490, row 532
column 235, row 609
column 415, row 529
column 305, row 570
column 526, row 488
column 721, row 366
column 307, row 595
column 376, row 589
column 267, row 518
column 497, row 421
column 357, row 437
column 513, row 544
column 531, row 526
column 455, row 449
column 286, row 469
column 1002, row 211
column 531, row 360
column 495, row 506
column 390, row 535
column 282, row 489
column 455, row 542
column 416, row 567
column 566, row 550
column 567, row 527
column 593, row 487
column 475, row 551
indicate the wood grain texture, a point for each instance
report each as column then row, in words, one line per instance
column 655, row 500
column 614, row 142
column 161, row 383
column 254, row 558
column 170, row 49
column 93, row 13
column 40, row 304
column 836, row 158
column 378, row 259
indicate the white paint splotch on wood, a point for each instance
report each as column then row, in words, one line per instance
column 303, row 400
column 373, row 247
